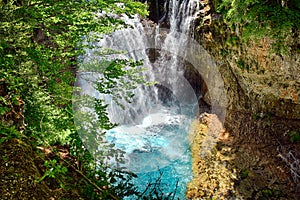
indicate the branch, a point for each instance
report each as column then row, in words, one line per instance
column 86, row 178
column 89, row 181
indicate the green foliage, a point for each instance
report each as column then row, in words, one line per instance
column 267, row 193
column 294, row 136
column 40, row 42
column 244, row 173
column 119, row 79
column 54, row 124
column 271, row 194
column 8, row 132
column 241, row 64
column 275, row 19
column 53, row 170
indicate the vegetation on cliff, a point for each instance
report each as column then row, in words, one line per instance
column 278, row 20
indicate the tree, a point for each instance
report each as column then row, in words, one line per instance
column 40, row 41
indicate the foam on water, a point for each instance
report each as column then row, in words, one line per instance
column 158, row 147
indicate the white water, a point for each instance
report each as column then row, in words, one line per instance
column 153, row 129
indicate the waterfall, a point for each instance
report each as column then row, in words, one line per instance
column 152, row 128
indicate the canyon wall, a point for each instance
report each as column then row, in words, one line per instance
column 258, row 149
column 257, row 80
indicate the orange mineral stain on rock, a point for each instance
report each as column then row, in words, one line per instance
column 213, row 176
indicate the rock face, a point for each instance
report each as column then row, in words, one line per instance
column 242, row 164
column 260, row 153
column 158, row 11
column 213, row 175
column 257, row 79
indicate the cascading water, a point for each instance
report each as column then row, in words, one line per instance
column 153, row 128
